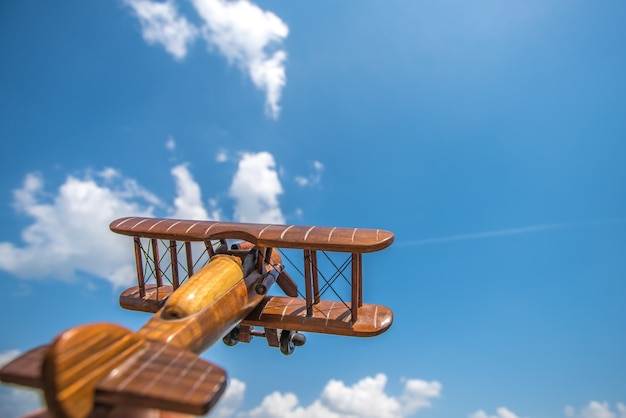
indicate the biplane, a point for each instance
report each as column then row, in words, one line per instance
column 204, row 281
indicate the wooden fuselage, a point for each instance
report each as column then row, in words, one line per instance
column 206, row 306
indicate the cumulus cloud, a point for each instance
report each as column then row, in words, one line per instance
column 366, row 398
column 256, row 188
column 246, row 35
column 188, row 202
column 230, row 401
column 500, row 413
column 161, row 24
column 597, row 410
column 70, row 232
column 249, row 37
column 417, row 395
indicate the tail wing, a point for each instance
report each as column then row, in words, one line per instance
column 109, row 365
column 164, row 377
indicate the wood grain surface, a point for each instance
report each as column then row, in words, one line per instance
column 353, row 240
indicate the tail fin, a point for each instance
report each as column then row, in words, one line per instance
column 110, row 365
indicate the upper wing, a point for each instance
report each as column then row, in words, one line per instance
column 353, row 240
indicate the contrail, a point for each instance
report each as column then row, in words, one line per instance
column 510, row 231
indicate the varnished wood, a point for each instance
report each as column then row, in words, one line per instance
column 203, row 288
column 104, row 365
column 157, row 261
column 356, row 285
column 155, row 375
column 203, row 309
column 209, row 248
column 353, row 240
column 245, row 333
column 139, row 265
column 308, row 282
column 77, row 360
column 286, row 283
column 153, row 299
column 271, row 335
column 25, row 370
column 315, row 278
column 285, row 313
column 189, row 258
column 328, row 317
column 174, row 264
column 164, row 377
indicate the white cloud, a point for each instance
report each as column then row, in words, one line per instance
column 188, row 202
column 500, row 413
column 230, row 401
column 161, row 24
column 597, row 410
column 256, row 188
column 248, row 36
column 170, row 144
column 418, row 393
column 366, row 398
column 70, row 233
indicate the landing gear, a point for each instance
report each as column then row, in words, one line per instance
column 232, row 338
column 285, row 340
column 289, row 340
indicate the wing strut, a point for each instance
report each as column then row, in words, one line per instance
column 357, row 285
column 139, row 262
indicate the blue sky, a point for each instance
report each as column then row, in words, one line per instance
column 489, row 136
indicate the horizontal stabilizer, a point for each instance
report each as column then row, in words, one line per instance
column 164, row 377
column 153, row 375
column 25, row 370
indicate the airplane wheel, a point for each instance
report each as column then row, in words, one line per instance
column 286, row 342
column 298, row 339
column 232, row 338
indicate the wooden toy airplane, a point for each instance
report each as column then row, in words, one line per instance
column 89, row 369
